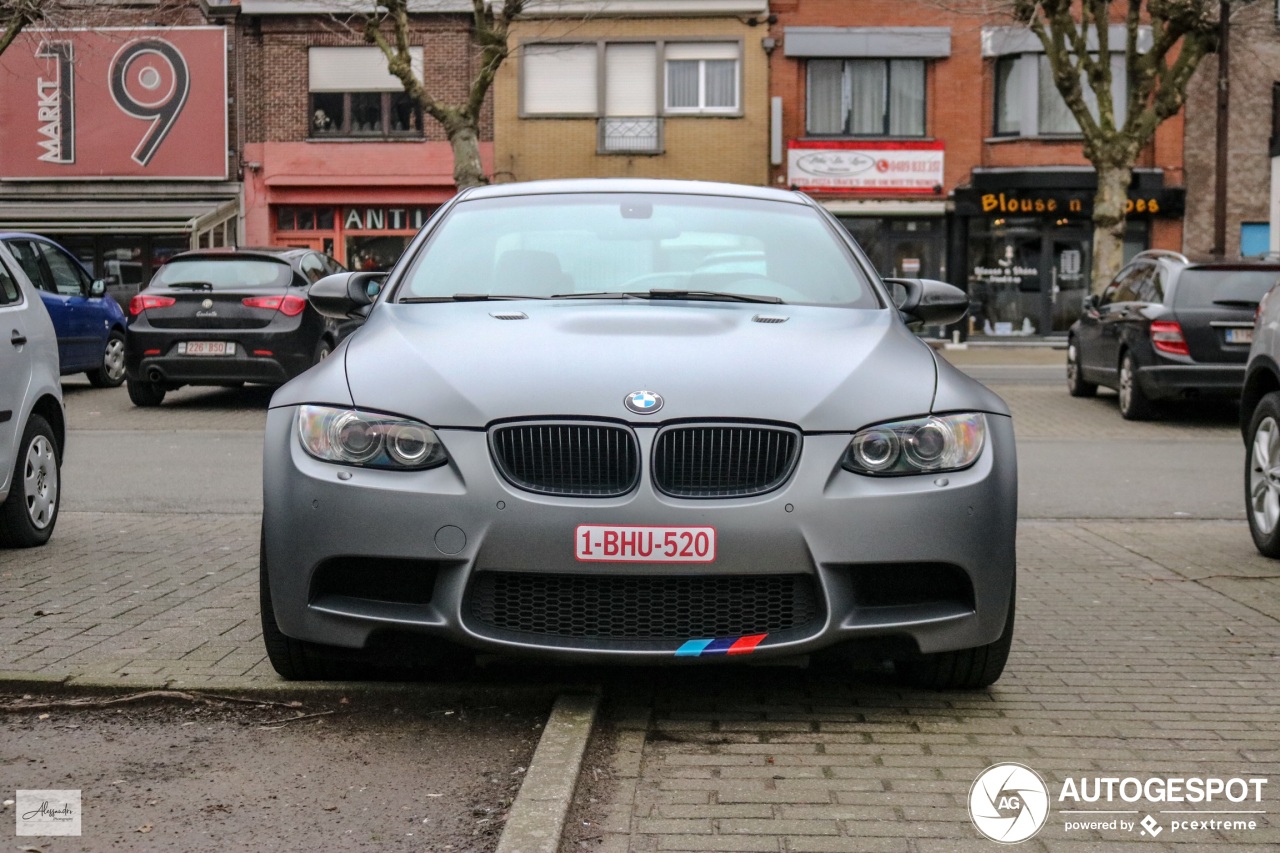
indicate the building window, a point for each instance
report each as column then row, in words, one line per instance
column 865, row 97
column 620, row 80
column 702, row 78
column 1028, row 102
column 353, row 95
column 560, row 79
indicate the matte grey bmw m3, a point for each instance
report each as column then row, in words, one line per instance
column 638, row 421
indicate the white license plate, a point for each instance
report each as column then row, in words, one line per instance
column 613, row 543
column 207, row 348
column 1239, row 336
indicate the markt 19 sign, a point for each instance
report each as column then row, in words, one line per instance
column 115, row 103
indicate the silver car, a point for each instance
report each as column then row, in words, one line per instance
column 566, row 430
column 32, row 422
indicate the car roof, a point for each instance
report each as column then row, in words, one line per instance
column 633, row 185
column 286, row 253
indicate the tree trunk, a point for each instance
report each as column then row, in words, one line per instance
column 1108, row 224
column 467, row 169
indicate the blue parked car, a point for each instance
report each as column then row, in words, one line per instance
column 89, row 324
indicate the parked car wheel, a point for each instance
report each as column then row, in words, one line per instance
column 323, row 349
column 1076, row 386
column 111, row 373
column 144, row 393
column 1262, row 475
column 29, row 513
column 1134, row 404
column 963, row 669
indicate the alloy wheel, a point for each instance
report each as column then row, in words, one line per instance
column 1264, row 476
column 40, row 480
column 1073, row 365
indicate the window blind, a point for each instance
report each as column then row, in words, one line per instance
column 560, row 78
column 355, row 69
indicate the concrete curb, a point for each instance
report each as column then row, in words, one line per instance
column 14, row 682
column 537, row 817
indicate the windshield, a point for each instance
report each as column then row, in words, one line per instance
column 637, row 243
column 224, row 274
column 1205, row 288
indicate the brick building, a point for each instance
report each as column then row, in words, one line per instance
column 635, row 88
column 939, row 140
column 1254, row 75
column 114, row 133
column 336, row 156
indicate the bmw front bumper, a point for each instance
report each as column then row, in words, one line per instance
column 352, row 552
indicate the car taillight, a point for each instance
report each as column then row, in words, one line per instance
column 1166, row 335
column 143, row 301
column 289, row 306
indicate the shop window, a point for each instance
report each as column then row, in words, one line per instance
column 865, row 97
column 1028, row 102
column 290, row 218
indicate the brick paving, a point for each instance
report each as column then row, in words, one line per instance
column 1143, row 648
column 1123, row 665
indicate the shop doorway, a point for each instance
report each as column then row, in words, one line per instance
column 1025, row 280
column 900, row 246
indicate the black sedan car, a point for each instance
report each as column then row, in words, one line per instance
column 1167, row 328
column 227, row 317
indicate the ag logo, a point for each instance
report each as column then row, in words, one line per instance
column 1008, row 803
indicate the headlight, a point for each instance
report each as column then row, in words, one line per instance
column 370, row 440
column 926, row 445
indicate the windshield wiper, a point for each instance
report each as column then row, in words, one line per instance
column 465, row 297
column 600, row 294
column 190, row 285
column 662, row 293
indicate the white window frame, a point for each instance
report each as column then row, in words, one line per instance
column 661, row 95
column 702, row 108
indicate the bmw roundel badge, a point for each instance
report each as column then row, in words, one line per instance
column 643, row 402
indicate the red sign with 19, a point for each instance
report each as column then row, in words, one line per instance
column 114, row 103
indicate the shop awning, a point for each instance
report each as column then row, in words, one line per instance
column 143, row 216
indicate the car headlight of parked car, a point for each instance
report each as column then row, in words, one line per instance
column 368, row 439
column 919, row 446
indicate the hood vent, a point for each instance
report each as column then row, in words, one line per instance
column 510, row 315
column 767, row 318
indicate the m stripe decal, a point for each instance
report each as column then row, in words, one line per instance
column 720, row 646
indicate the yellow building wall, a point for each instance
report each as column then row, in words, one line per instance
column 709, row 148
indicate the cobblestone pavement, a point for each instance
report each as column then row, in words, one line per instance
column 1124, row 664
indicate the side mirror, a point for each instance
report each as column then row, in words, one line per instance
column 924, row 300
column 1092, row 301
column 346, row 295
column 98, row 288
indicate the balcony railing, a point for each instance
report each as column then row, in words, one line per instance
column 631, row 135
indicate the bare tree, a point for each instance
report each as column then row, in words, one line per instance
column 16, row 15
column 491, row 21
column 1076, row 39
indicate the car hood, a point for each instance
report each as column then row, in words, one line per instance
column 463, row 365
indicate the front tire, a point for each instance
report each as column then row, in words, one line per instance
column 1134, row 403
column 322, row 351
column 146, row 394
column 963, row 669
column 28, row 515
column 111, row 373
column 1076, row 386
column 1262, row 476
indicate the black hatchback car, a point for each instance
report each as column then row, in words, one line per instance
column 227, row 317
column 1167, row 328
